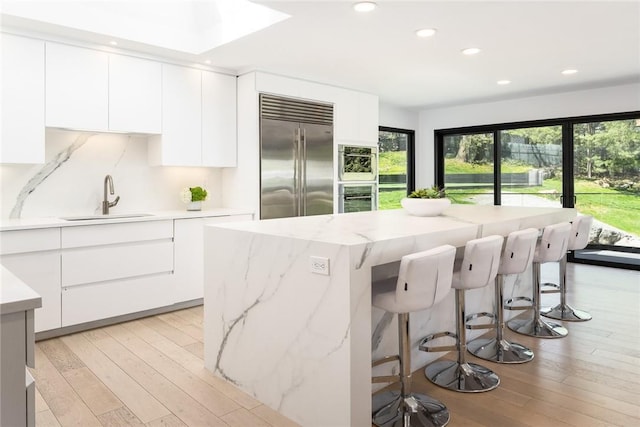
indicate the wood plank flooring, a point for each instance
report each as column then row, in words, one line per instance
column 150, row 372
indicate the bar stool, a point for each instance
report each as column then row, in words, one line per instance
column 479, row 268
column 517, row 257
column 551, row 248
column 424, row 280
column 578, row 239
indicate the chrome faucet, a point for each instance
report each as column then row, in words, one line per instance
column 108, row 181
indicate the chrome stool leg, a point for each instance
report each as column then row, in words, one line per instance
column 498, row 349
column 460, row 375
column 404, row 408
column 564, row 311
column 535, row 326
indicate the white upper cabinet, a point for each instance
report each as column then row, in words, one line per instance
column 77, row 88
column 356, row 117
column 198, row 119
column 134, row 95
column 218, row 120
column 93, row 90
column 22, row 120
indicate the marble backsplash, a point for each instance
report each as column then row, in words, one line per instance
column 72, row 178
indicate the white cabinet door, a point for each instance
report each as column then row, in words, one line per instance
column 219, row 147
column 77, row 88
column 34, row 257
column 41, row 272
column 181, row 140
column 135, row 94
column 368, row 118
column 22, row 122
column 346, row 114
column 189, row 253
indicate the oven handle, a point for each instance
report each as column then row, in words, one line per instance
column 357, row 197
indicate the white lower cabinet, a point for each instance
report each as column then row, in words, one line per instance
column 189, row 254
column 34, row 257
column 114, row 269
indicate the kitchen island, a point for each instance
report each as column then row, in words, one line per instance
column 301, row 341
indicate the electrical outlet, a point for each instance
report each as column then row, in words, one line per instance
column 319, row 265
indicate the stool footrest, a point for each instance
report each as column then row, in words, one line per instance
column 423, row 347
column 385, row 359
column 508, row 304
column 555, row 288
column 475, row 316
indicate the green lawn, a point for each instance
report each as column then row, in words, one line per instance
column 392, row 162
column 620, row 209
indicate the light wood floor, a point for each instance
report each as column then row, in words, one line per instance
column 150, row 372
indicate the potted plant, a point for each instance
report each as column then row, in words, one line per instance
column 426, row 202
column 193, row 197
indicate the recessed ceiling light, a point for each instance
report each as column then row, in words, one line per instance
column 470, row 51
column 207, row 61
column 569, row 72
column 113, row 43
column 426, row 32
column 364, row 6
column 503, row 82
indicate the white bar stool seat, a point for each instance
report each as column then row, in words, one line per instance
column 479, row 268
column 578, row 239
column 551, row 248
column 424, row 279
column 517, row 257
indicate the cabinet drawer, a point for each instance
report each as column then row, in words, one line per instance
column 18, row 241
column 98, row 264
column 100, row 301
column 105, row 234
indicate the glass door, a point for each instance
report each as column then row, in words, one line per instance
column 531, row 167
column 469, row 172
column 606, row 163
column 395, row 166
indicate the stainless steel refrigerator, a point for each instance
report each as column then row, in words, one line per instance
column 296, row 157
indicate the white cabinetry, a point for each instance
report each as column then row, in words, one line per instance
column 77, row 88
column 22, row 122
column 114, row 269
column 189, row 249
column 219, row 146
column 134, row 95
column 198, row 119
column 356, row 117
column 92, row 90
column 34, row 257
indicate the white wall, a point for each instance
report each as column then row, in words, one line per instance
column 71, row 180
column 614, row 99
column 396, row 117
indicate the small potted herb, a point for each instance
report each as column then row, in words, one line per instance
column 426, row 202
column 193, row 197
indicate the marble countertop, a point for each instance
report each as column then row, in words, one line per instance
column 365, row 227
column 15, row 295
column 49, row 222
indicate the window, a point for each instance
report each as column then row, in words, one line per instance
column 395, row 166
column 590, row 163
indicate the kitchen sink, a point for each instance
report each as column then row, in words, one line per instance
column 96, row 217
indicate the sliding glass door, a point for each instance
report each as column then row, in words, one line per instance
column 395, row 166
column 590, row 163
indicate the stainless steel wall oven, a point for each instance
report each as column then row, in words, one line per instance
column 357, row 197
column 356, row 163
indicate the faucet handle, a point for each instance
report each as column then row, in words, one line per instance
column 115, row 202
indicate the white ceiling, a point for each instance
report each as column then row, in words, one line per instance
column 527, row 42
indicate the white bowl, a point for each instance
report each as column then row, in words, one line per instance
column 425, row 207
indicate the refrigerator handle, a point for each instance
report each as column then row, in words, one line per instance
column 303, row 172
column 296, row 171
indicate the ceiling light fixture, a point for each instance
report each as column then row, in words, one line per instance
column 364, row 6
column 470, row 51
column 426, row 32
column 503, row 82
column 113, row 43
column 569, row 72
column 207, row 61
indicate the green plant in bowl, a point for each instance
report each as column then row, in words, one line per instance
column 428, row 193
column 198, row 194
